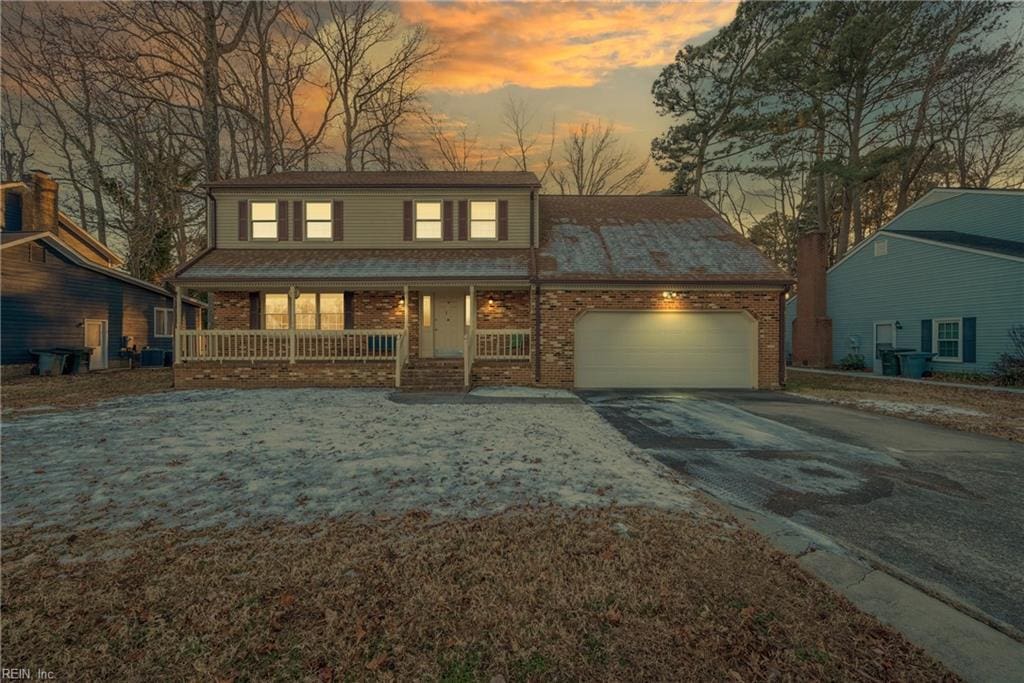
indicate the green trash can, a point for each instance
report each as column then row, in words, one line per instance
column 51, row 361
column 890, row 363
column 913, row 363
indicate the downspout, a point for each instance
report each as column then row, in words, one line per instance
column 535, row 288
column 211, row 219
column 782, row 336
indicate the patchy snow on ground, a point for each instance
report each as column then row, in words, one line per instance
column 899, row 407
column 522, row 392
column 200, row 458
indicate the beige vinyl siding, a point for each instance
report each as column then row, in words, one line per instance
column 373, row 218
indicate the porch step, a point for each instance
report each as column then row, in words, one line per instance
column 432, row 374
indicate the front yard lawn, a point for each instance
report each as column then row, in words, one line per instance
column 983, row 411
column 538, row 594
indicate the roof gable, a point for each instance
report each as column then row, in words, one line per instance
column 997, row 214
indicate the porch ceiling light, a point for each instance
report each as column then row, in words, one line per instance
column 670, row 295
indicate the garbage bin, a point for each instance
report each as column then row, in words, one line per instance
column 913, row 363
column 890, row 363
column 152, row 358
column 77, row 358
column 51, row 361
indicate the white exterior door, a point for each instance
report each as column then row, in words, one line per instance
column 671, row 349
column 449, row 323
column 96, row 339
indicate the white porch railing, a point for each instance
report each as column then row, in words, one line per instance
column 502, row 345
column 228, row 345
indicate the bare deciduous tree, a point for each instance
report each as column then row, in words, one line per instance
column 517, row 118
column 16, row 132
column 594, row 161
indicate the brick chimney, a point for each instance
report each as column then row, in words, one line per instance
column 812, row 329
column 39, row 209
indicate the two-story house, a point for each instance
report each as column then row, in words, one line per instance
column 452, row 279
column 946, row 276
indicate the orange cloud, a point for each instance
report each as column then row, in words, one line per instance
column 486, row 46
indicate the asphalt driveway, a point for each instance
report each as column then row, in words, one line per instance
column 946, row 507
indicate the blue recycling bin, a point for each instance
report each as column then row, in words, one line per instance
column 913, row 363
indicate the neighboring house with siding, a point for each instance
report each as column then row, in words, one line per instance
column 60, row 287
column 450, row 279
column 945, row 276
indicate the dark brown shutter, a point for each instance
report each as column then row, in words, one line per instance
column 463, row 220
column 338, row 220
column 349, row 311
column 282, row 220
column 243, row 220
column 503, row 219
column 407, row 221
column 297, row 221
column 255, row 314
column 447, row 220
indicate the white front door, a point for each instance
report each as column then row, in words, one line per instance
column 885, row 338
column 449, row 323
column 96, row 339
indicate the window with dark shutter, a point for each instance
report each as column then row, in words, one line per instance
column 503, row 219
column 243, row 220
column 448, row 219
column 463, row 220
column 255, row 312
column 407, row 220
column 282, row 220
column 338, row 220
column 297, row 221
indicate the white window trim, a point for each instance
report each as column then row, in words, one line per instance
column 157, row 311
column 959, row 358
column 495, row 221
column 305, row 221
column 253, row 221
column 291, row 306
column 416, row 220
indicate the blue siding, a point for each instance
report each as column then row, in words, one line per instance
column 991, row 214
column 917, row 281
column 790, row 317
column 44, row 304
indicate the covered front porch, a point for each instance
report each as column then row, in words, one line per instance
column 361, row 335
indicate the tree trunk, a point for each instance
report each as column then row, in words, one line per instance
column 211, row 94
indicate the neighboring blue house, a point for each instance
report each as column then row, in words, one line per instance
column 62, row 288
column 946, row 276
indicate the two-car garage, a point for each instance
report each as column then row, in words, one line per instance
column 666, row 349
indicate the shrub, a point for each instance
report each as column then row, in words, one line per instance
column 1009, row 369
column 852, row 361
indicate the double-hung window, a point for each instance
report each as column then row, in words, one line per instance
column 428, row 220
column 483, row 220
column 264, row 220
column 163, row 322
column 313, row 311
column 318, row 220
column 947, row 334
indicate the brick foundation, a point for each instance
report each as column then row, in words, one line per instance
column 561, row 308
column 517, row 373
column 271, row 374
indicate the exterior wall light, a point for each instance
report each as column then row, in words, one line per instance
column 670, row 295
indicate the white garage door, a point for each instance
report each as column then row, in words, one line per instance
column 648, row 349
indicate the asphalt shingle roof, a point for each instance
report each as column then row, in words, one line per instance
column 646, row 238
column 358, row 264
column 963, row 239
column 359, row 179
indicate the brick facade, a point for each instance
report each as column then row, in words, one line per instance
column 509, row 309
column 561, row 308
column 267, row 374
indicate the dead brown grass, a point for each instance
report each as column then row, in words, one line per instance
column 527, row 595
column 62, row 392
column 1004, row 411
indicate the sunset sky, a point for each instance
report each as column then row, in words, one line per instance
column 572, row 62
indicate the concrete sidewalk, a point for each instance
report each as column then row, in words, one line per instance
column 970, row 648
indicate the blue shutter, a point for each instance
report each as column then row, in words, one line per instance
column 926, row 336
column 970, row 332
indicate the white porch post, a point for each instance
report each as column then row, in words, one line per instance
column 178, row 325
column 405, row 309
column 471, row 342
column 291, row 324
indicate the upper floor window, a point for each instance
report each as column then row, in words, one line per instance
column 264, row 220
column 428, row 220
column 163, row 322
column 483, row 220
column 318, row 220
